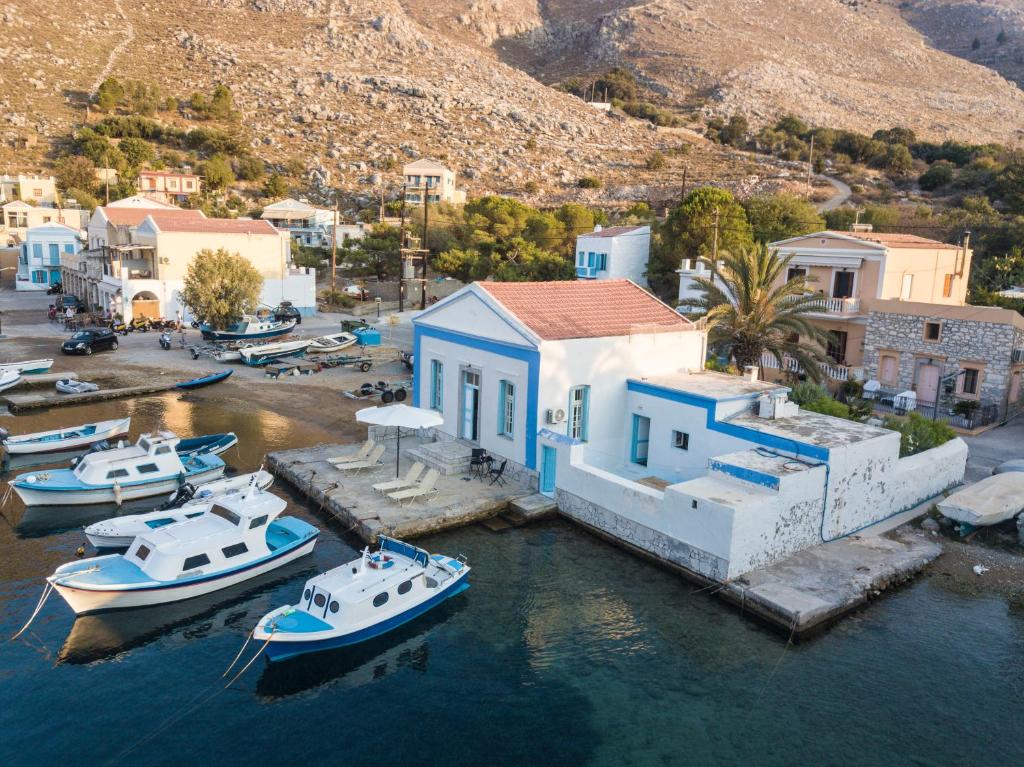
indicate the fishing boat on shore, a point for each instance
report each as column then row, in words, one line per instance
column 248, row 329
column 28, row 367
column 58, row 440
column 9, row 378
column 257, row 356
column 198, row 383
column 362, row 599
column 119, row 532
column 330, row 344
column 238, row 538
column 150, row 467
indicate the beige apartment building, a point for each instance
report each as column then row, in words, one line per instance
column 39, row 190
column 165, row 186
column 430, row 180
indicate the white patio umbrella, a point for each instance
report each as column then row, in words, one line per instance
column 401, row 416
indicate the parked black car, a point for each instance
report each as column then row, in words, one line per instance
column 67, row 300
column 287, row 312
column 89, row 341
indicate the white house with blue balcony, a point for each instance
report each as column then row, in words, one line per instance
column 598, row 390
column 614, row 253
column 39, row 261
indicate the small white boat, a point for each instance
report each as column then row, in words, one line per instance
column 249, row 329
column 119, row 532
column 362, row 599
column 240, row 537
column 329, row 344
column 9, row 378
column 74, row 386
column 261, row 355
column 150, row 467
column 59, row 440
column 28, row 367
column 992, row 500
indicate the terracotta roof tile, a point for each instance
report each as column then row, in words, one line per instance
column 897, row 240
column 172, row 222
column 585, row 308
column 135, row 216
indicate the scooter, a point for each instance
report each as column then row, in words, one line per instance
column 165, row 341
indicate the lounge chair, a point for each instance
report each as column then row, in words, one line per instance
column 421, row 489
column 402, row 483
column 372, row 461
column 360, row 455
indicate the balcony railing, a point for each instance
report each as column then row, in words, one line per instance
column 900, row 403
column 832, row 371
column 586, row 272
column 829, row 305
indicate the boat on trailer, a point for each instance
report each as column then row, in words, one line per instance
column 362, row 599
column 239, row 537
column 119, row 532
column 59, row 440
column 28, row 367
column 150, row 467
column 331, row 343
column 248, row 329
column 256, row 356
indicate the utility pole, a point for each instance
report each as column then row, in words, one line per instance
column 401, row 252
column 334, row 251
column 810, row 165
column 106, row 176
column 424, row 248
column 714, row 245
column 682, row 191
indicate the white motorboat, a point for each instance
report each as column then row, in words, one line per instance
column 9, row 378
column 330, row 344
column 59, row 440
column 261, row 355
column 119, row 532
column 74, row 386
column 150, row 467
column 994, row 499
column 28, row 367
column 249, row 329
column 362, row 599
column 240, row 537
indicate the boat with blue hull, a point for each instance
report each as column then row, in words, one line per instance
column 59, row 440
column 238, row 538
column 150, row 467
column 248, row 329
column 362, row 599
column 207, row 380
column 28, row 367
column 208, row 443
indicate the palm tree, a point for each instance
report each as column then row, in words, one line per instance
column 750, row 311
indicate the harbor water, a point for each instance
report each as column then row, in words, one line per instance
column 565, row 650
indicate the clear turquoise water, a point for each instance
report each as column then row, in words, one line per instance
column 565, row 651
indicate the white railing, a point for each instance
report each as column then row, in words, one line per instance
column 790, row 365
column 830, row 305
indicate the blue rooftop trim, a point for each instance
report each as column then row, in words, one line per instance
column 747, row 475
column 775, row 441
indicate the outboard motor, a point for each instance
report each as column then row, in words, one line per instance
column 182, row 495
column 4, row 434
column 95, row 448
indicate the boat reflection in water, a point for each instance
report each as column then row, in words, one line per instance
column 103, row 636
column 407, row 647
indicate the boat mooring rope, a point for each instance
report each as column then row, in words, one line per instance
column 252, row 660
column 244, row 645
column 47, row 590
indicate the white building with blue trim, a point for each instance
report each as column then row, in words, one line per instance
column 39, row 262
column 598, row 390
column 614, row 253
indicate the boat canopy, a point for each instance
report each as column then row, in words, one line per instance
column 418, row 556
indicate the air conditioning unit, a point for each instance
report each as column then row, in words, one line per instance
column 165, row 260
column 556, row 416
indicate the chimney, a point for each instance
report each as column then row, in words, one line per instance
column 598, row 227
column 750, row 372
column 862, row 228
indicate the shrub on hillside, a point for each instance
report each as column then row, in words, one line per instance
column 588, row 182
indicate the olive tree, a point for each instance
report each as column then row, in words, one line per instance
column 221, row 287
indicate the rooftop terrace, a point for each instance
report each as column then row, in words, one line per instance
column 712, row 385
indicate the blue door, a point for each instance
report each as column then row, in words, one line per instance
column 641, row 439
column 548, row 464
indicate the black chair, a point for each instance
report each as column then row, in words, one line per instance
column 479, row 461
column 498, row 475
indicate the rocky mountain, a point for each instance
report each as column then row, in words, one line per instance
column 354, row 87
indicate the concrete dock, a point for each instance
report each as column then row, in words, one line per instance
column 349, row 497
column 19, row 403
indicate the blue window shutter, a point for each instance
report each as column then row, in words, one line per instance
column 37, row 251
column 579, row 258
column 602, row 263
column 591, row 260
column 512, row 419
column 69, row 248
column 502, row 393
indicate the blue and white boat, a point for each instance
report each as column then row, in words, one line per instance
column 207, row 380
column 256, row 356
column 208, row 443
column 239, row 537
column 58, row 440
column 150, row 467
column 362, row 599
column 119, row 532
column 249, row 329
column 28, row 367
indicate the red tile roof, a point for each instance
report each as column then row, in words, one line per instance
column 135, row 216
column 896, row 240
column 585, row 308
column 171, row 222
column 611, row 231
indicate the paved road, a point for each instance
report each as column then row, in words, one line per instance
column 994, row 446
column 842, row 194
